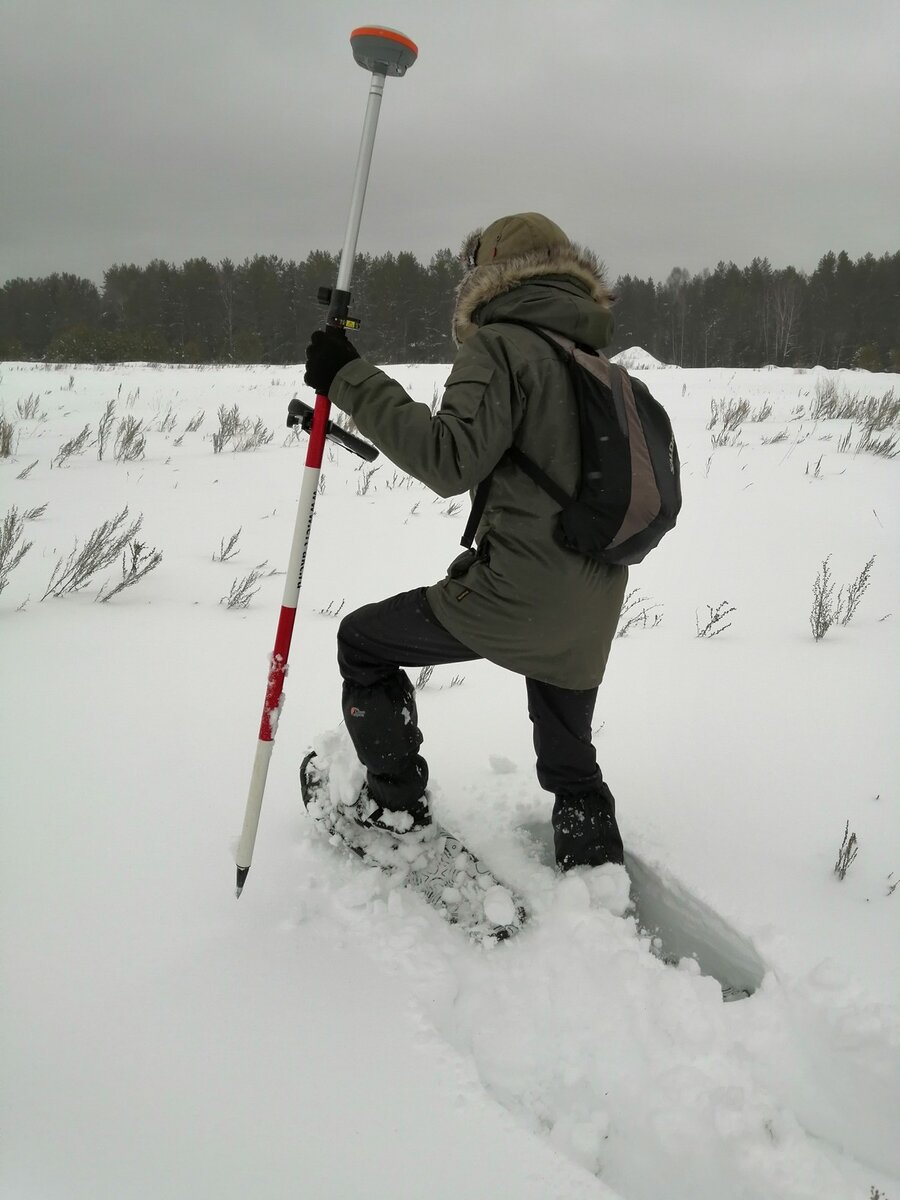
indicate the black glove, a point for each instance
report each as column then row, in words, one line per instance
column 327, row 352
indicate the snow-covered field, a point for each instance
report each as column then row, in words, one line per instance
column 326, row 1038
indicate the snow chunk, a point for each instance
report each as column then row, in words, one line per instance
column 572, row 893
column 499, row 907
column 584, row 888
column 609, row 887
column 636, row 359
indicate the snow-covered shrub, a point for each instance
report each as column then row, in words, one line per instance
column 363, row 484
column 227, row 549
column 716, row 622
column 76, row 445
column 880, row 412
column 832, row 403
column 251, row 437
column 243, row 590
column 730, row 414
column 856, row 590
column 29, row 410
column 829, row 609
column 333, row 609
column 877, row 415
column 399, row 480
column 7, row 432
column 637, row 613
column 886, row 446
column 229, row 424
column 827, row 399
column 166, row 422
column 826, row 610
column 245, row 435
column 104, row 547
column 13, row 548
column 130, row 440
column 762, row 413
column 138, row 560
column 847, row 853
column 104, row 428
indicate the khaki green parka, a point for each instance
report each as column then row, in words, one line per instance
column 522, row 601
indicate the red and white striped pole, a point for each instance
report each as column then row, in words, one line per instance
column 384, row 52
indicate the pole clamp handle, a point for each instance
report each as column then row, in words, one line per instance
column 300, row 413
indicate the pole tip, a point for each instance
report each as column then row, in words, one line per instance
column 242, row 873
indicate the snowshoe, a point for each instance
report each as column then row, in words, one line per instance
column 427, row 859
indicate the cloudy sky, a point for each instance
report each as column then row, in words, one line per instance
column 658, row 132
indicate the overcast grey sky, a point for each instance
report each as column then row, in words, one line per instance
column 658, row 132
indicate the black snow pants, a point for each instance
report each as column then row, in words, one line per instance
column 379, row 703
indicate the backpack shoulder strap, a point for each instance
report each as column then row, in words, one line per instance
column 479, row 502
column 541, row 478
column 519, row 457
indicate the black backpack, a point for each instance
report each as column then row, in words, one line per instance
column 629, row 494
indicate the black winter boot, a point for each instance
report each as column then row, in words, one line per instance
column 383, row 725
column 585, row 833
column 365, row 811
column 409, row 817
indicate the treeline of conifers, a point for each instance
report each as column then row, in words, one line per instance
column 844, row 314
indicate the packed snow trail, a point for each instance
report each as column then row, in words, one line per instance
column 636, row 1071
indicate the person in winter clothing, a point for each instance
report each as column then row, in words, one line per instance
column 519, row 599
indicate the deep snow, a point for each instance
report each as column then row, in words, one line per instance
column 327, row 1037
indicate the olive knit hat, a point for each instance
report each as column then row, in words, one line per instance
column 521, row 235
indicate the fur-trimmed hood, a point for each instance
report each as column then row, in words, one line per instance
column 481, row 284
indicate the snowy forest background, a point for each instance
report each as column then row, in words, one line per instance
column 844, row 314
